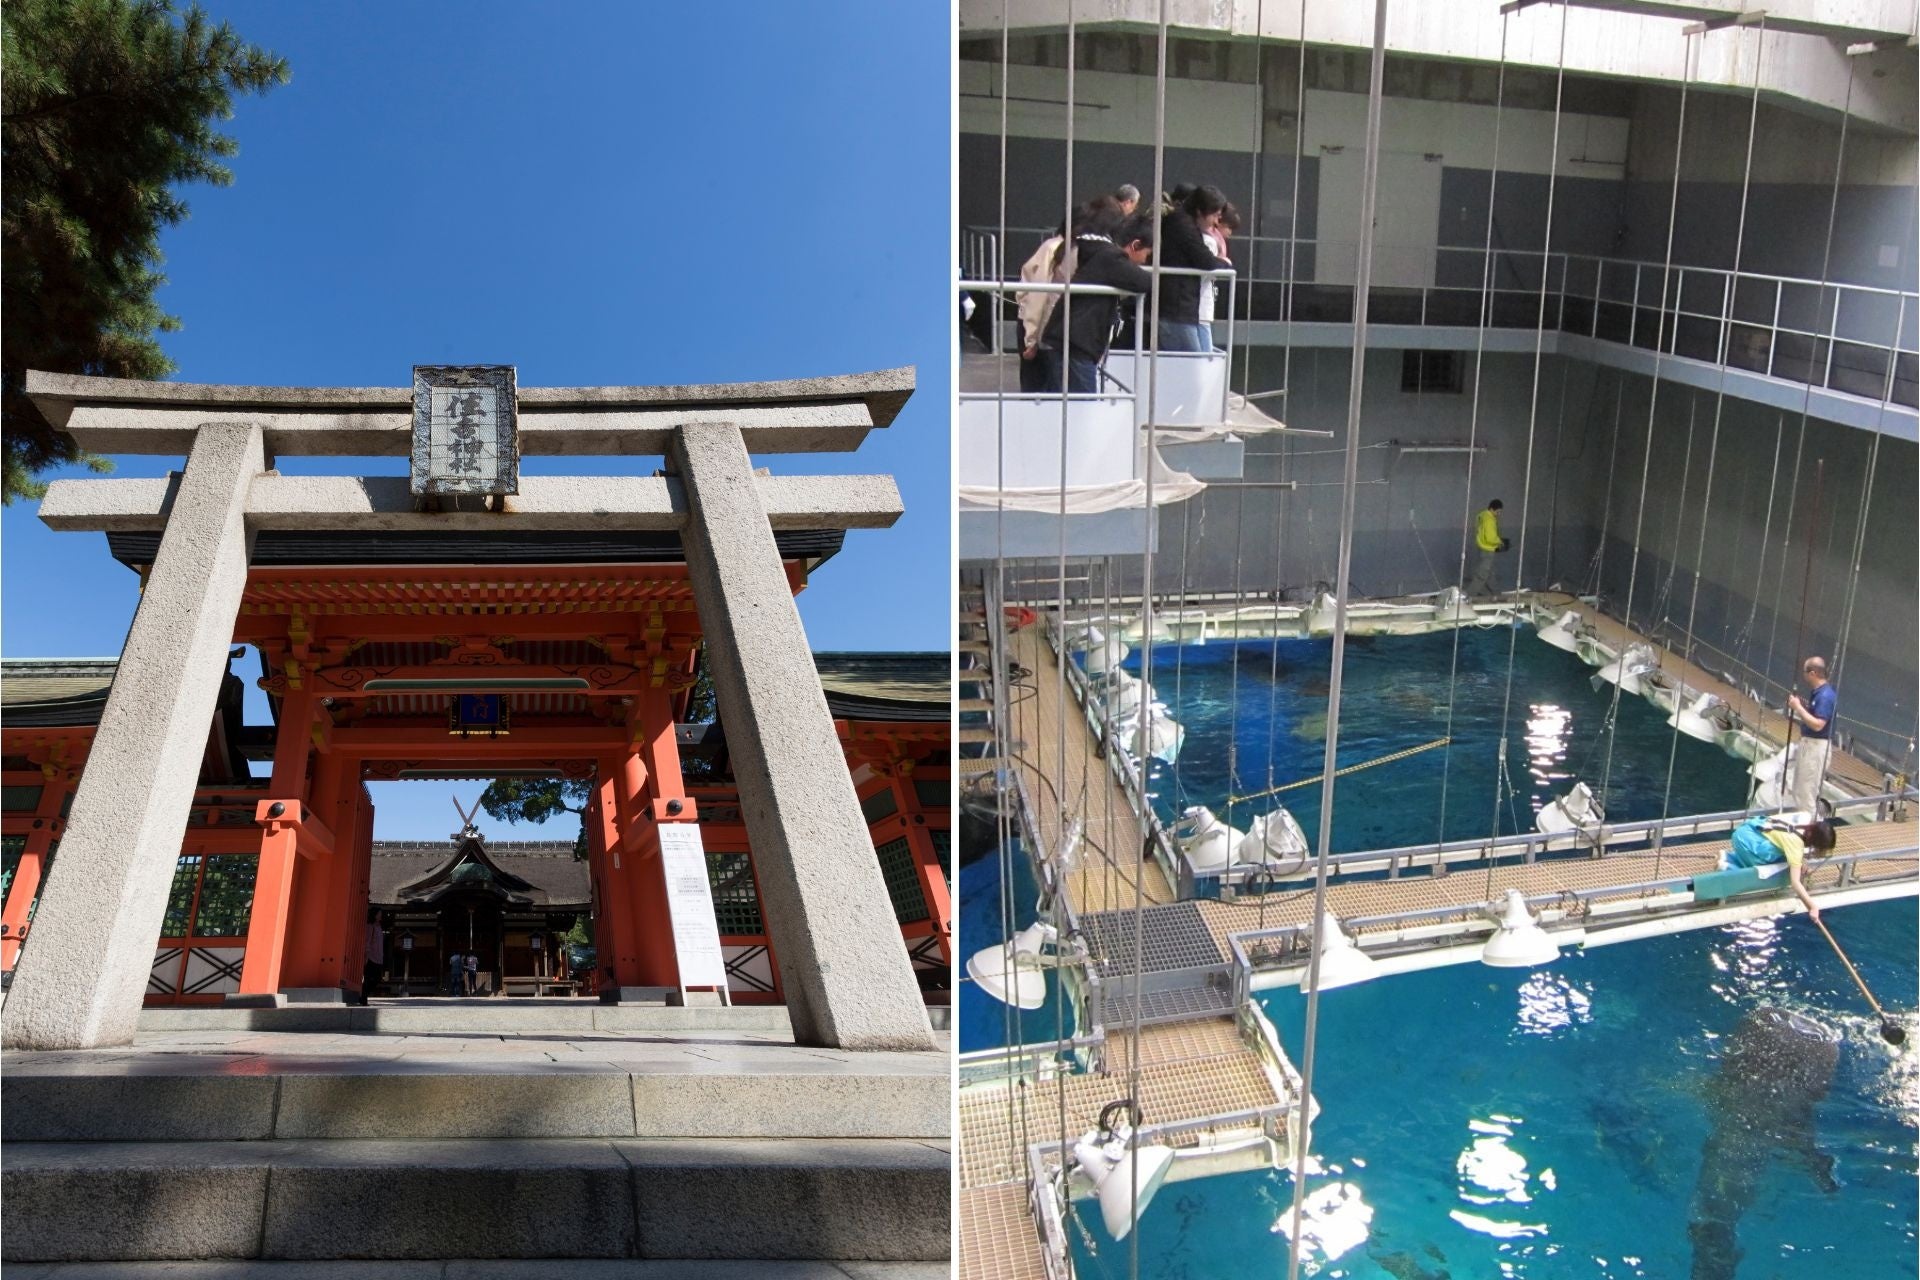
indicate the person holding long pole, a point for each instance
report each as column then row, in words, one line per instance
column 1814, row 716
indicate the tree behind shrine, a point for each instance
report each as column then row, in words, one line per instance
column 107, row 107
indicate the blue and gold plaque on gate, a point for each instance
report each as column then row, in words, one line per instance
column 466, row 428
column 479, row 715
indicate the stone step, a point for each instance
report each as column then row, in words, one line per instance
column 482, row 1269
column 424, row 1015
column 540, row 1198
column 154, row 1100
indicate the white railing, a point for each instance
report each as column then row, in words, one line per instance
column 1193, row 385
column 1786, row 327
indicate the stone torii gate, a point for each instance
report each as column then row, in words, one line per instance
column 847, row 979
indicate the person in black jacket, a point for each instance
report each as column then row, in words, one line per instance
column 1184, row 244
column 1106, row 254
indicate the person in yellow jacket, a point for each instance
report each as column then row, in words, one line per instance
column 1486, row 537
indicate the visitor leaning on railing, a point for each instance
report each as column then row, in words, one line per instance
column 1106, row 254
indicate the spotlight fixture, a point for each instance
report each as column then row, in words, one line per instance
column 1014, row 972
column 1124, row 1179
column 1519, row 942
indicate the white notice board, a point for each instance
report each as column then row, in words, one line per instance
column 696, row 938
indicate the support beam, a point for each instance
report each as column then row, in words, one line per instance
column 846, row 975
column 82, row 983
column 362, row 503
column 799, row 415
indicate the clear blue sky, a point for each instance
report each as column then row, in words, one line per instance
column 595, row 193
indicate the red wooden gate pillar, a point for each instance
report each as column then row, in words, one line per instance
column 614, row 923
column 655, row 757
column 353, row 851
column 281, row 817
column 314, row 937
column 33, row 864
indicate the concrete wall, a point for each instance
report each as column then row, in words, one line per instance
column 1410, row 508
column 1752, row 568
column 1614, row 166
column 1804, row 69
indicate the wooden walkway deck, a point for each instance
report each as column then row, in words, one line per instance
column 1112, row 842
column 1855, row 774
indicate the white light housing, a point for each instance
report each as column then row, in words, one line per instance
column 1454, row 606
column 1105, row 652
column 1012, row 972
column 1628, row 669
column 1272, row 837
column 1562, row 632
column 1110, row 1167
column 1207, row 842
column 1774, row 767
column 1342, row 963
column 1322, row 615
column 1519, row 942
column 1698, row 719
column 1575, row 811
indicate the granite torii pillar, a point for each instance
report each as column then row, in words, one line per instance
column 845, row 974
column 80, row 981
column 848, row 981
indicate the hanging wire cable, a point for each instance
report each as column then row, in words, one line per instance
column 1473, row 425
column 1063, row 654
column 1606, row 509
column 1739, row 651
column 1282, row 469
column 1146, row 605
column 1363, row 279
column 990, row 604
column 1687, row 57
column 1879, row 432
column 1533, row 413
column 1713, row 437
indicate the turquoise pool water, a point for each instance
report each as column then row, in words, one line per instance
column 984, row 1022
column 1397, row 693
column 1255, row 713
column 1550, row 1123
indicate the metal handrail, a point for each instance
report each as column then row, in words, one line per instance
column 1907, row 300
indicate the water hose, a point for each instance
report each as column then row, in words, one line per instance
column 1890, row 1031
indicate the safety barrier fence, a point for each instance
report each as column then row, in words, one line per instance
column 1855, row 339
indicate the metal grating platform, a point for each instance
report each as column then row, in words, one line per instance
column 1172, row 937
column 1209, row 1000
column 1465, row 890
column 998, row 1238
column 1188, row 1071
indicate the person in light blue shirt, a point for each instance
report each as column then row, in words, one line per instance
column 1813, row 716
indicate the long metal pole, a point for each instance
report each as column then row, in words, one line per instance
column 1356, row 383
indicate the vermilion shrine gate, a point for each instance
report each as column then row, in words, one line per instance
column 410, row 632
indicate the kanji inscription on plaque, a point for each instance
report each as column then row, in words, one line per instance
column 465, row 430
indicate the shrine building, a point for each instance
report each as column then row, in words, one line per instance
column 510, row 902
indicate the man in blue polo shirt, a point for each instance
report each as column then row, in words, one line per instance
column 1814, row 716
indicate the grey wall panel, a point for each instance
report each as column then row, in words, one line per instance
column 1588, row 217
column 1786, row 229
column 1036, row 176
